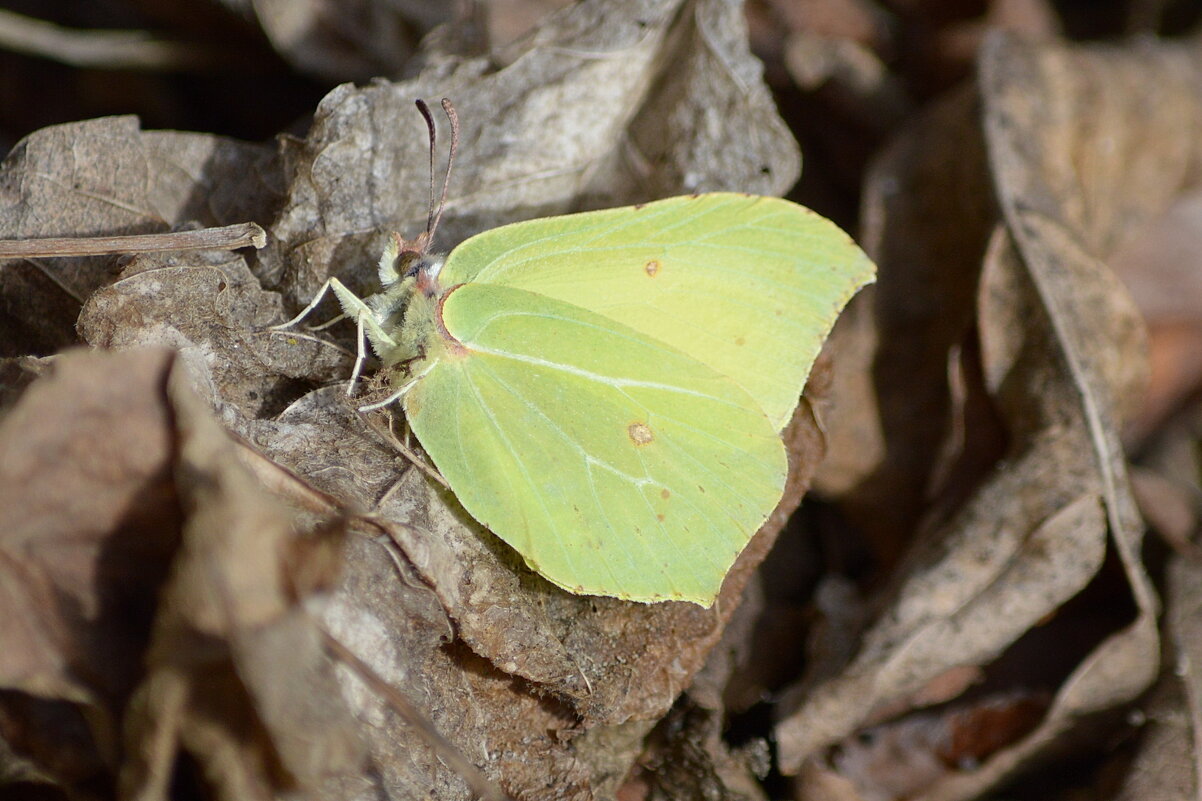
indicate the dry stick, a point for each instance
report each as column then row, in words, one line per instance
column 413, row 458
column 105, row 49
column 480, row 784
column 229, row 237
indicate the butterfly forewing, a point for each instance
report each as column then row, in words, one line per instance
column 750, row 286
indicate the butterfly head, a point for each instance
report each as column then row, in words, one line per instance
column 404, row 259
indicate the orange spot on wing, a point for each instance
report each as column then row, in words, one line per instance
column 640, row 434
column 652, row 268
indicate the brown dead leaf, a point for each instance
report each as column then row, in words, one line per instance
column 106, row 177
column 1070, row 135
column 103, row 459
column 237, row 676
column 1165, row 764
column 89, row 524
column 85, row 466
column 1063, row 221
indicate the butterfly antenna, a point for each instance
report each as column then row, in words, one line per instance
column 425, row 110
column 446, row 180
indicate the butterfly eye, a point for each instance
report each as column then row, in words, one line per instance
column 420, row 265
column 410, row 265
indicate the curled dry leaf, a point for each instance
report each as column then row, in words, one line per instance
column 89, row 524
column 1079, row 154
column 105, row 177
column 124, row 638
column 1165, row 764
column 236, row 673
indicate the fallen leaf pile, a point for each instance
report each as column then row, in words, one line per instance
column 219, row 580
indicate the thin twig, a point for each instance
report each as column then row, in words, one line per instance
column 229, row 237
column 105, row 49
column 417, row 461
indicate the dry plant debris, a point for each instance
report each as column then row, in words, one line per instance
column 192, row 511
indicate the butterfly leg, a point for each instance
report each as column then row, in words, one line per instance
column 400, row 392
column 366, row 322
column 305, row 312
column 360, row 353
column 368, row 326
column 366, row 317
column 328, row 323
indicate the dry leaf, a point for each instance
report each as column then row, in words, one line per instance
column 237, row 677
column 107, row 177
column 1165, row 765
column 118, row 453
column 1061, row 358
column 89, row 524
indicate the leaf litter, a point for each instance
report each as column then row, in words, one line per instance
column 167, row 593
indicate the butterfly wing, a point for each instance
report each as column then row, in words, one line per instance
column 749, row 286
column 613, row 463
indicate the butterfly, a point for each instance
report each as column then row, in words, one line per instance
column 605, row 391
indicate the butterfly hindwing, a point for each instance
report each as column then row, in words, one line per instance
column 614, row 463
